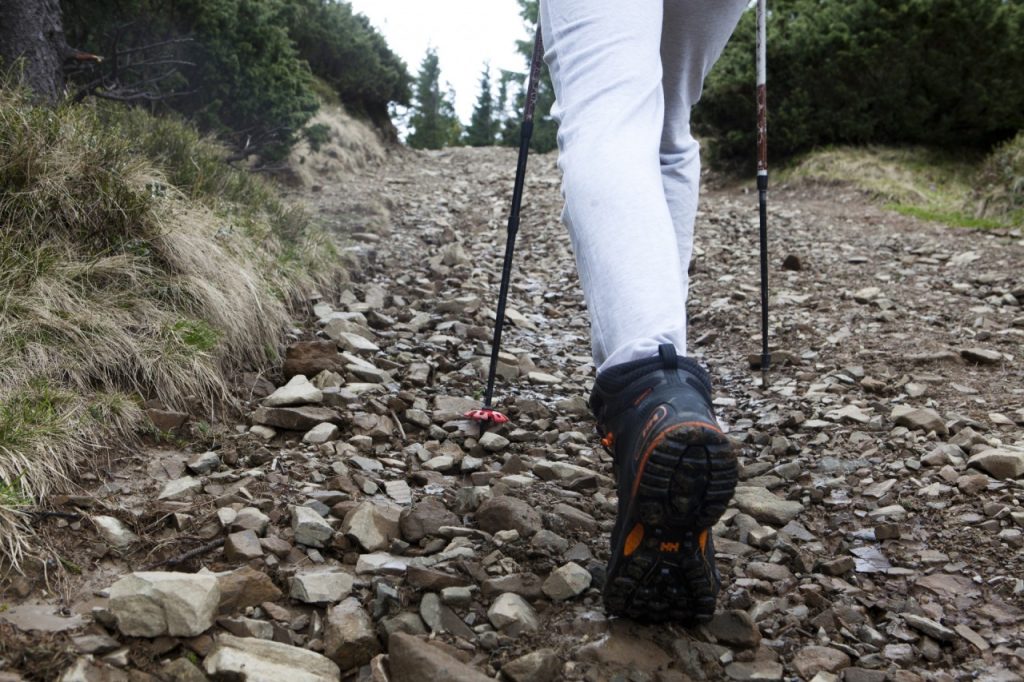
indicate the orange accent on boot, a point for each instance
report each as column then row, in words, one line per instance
column 669, row 547
column 633, row 540
column 608, row 441
column 702, row 540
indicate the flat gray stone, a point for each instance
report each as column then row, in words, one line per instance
column 152, row 604
column 247, row 659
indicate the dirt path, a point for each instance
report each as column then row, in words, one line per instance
column 877, row 534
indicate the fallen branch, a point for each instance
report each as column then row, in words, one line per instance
column 191, row 554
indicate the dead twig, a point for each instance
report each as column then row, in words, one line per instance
column 185, row 556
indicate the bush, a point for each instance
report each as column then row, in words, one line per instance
column 345, row 51
column 238, row 74
column 933, row 72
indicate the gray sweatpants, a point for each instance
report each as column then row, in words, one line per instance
column 626, row 74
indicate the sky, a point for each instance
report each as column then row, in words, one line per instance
column 466, row 33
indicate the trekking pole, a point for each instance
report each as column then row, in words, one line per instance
column 762, row 177
column 488, row 413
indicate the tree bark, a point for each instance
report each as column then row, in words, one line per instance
column 32, row 30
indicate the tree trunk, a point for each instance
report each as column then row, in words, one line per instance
column 32, row 30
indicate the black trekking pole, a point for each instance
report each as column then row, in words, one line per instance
column 762, row 178
column 487, row 413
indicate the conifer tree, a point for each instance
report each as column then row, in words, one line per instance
column 433, row 121
column 483, row 126
column 545, row 130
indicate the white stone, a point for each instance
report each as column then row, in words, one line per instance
column 355, row 343
column 381, row 562
column 765, row 506
column 261, row 431
column 566, row 582
column 542, row 378
column 492, row 442
column 152, row 604
column 512, row 614
column 321, row 433
column 204, row 463
column 113, row 531
column 182, row 488
column 298, row 391
column 441, row 463
column 258, row 660
column 322, row 585
column 251, row 518
column 310, row 528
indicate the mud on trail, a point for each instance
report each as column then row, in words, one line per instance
column 351, row 523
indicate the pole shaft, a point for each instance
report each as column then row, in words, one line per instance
column 525, row 133
column 762, row 176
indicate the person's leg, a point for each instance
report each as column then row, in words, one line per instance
column 674, row 469
column 605, row 64
column 694, row 33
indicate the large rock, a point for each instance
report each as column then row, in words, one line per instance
column 447, row 408
column 736, row 628
column 245, row 587
column 567, row 582
column 350, row 640
column 919, row 419
column 511, row 614
column 312, row 357
column 295, row 418
column 372, row 524
column 152, row 604
column 812, row 660
column 298, row 391
column 310, row 528
column 1001, row 463
column 410, row 659
column 765, row 506
column 426, row 518
column 259, row 660
column 536, row 666
column 321, row 585
column 508, row 513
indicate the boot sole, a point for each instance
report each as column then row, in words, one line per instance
column 659, row 569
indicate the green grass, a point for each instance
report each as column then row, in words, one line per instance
column 37, row 413
column 12, row 496
column 953, row 219
column 965, row 190
column 196, row 334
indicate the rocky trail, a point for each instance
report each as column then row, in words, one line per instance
column 351, row 524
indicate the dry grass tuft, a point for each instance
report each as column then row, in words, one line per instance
column 334, row 144
column 134, row 265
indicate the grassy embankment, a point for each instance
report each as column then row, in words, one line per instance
column 984, row 192
column 135, row 264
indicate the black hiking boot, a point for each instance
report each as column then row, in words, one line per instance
column 676, row 473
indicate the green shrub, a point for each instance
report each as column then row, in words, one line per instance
column 933, row 72
column 237, row 74
column 344, row 50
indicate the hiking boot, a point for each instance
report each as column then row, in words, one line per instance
column 675, row 473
